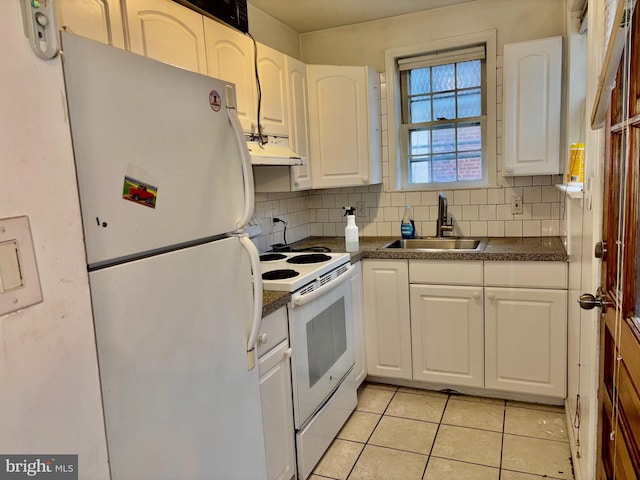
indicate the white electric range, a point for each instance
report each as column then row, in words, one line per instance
column 321, row 338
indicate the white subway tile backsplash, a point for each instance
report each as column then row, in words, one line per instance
column 542, row 211
column 513, row 228
column 486, row 212
column 413, row 198
column 479, row 229
column 522, row 181
column 495, row 196
column 429, row 198
column 495, row 228
column 550, row 194
column 461, row 197
column 532, row 194
column 550, row 228
column 398, row 199
column 503, row 212
column 421, row 213
column 384, row 229
column 541, row 180
column 391, row 214
column 531, row 228
column 478, row 197
column 470, row 212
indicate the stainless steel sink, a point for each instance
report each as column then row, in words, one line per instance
column 437, row 243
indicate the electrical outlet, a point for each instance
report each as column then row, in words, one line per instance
column 361, row 210
column 516, row 205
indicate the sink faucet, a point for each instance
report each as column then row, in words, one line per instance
column 442, row 224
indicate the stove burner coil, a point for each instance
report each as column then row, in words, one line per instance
column 279, row 274
column 270, row 257
column 309, row 258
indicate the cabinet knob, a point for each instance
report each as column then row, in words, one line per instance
column 509, row 169
column 288, row 352
column 476, row 295
column 365, row 179
column 262, row 338
column 491, row 295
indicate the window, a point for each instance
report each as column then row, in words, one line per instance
column 442, row 105
column 442, row 116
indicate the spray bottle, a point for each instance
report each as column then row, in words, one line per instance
column 351, row 230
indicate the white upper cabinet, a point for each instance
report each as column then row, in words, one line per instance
column 168, row 32
column 272, row 71
column 298, row 121
column 99, row 20
column 230, row 58
column 532, row 107
column 344, row 121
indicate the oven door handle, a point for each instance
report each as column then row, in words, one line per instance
column 303, row 299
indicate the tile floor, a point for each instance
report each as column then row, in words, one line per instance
column 408, row 434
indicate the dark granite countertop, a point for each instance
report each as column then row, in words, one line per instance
column 519, row 249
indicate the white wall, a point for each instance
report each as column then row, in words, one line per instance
column 266, row 29
column 49, row 389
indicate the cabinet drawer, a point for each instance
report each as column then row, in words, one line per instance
column 275, row 327
column 526, row 274
column 445, row 272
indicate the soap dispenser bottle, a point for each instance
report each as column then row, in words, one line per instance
column 407, row 226
column 351, row 230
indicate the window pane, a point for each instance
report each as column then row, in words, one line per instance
column 468, row 74
column 419, row 81
column 420, row 142
column 444, row 168
column 470, row 166
column 443, row 77
column 420, row 171
column 420, row 109
column 444, row 106
column 469, row 103
column 469, row 137
column 444, row 139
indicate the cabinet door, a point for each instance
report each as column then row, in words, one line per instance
column 273, row 84
column 298, row 121
column 168, row 32
column 526, row 340
column 357, row 304
column 532, row 107
column 447, row 334
column 230, row 58
column 99, row 20
column 277, row 412
column 340, row 124
column 387, row 322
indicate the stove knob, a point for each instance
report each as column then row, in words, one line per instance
column 262, row 339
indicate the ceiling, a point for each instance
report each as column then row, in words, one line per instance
column 310, row 15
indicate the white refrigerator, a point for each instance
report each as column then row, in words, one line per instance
column 165, row 180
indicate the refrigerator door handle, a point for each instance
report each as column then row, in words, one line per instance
column 247, row 172
column 256, row 316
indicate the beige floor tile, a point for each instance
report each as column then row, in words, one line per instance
column 404, row 434
column 535, row 406
column 472, row 398
column 474, row 414
column 317, row 477
column 417, row 407
column 422, row 391
column 468, row 445
column 509, row 475
column 359, row 427
column 536, row 423
column 444, row 469
column 535, row 455
column 378, row 463
column 339, row 459
column 373, row 400
column 381, row 386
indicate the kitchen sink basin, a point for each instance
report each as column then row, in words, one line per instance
column 437, row 243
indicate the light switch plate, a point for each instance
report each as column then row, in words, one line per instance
column 22, row 292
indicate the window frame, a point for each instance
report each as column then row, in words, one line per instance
column 397, row 154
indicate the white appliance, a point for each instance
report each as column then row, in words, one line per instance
column 165, row 180
column 321, row 336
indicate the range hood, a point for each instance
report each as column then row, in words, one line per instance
column 275, row 151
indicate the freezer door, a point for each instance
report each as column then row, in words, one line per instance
column 157, row 159
column 178, row 398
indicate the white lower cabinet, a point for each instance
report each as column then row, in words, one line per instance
column 447, row 334
column 526, row 340
column 357, row 303
column 387, row 321
column 501, row 326
column 276, row 397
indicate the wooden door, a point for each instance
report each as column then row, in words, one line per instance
column 619, row 395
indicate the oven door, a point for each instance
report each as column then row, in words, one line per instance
column 321, row 329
